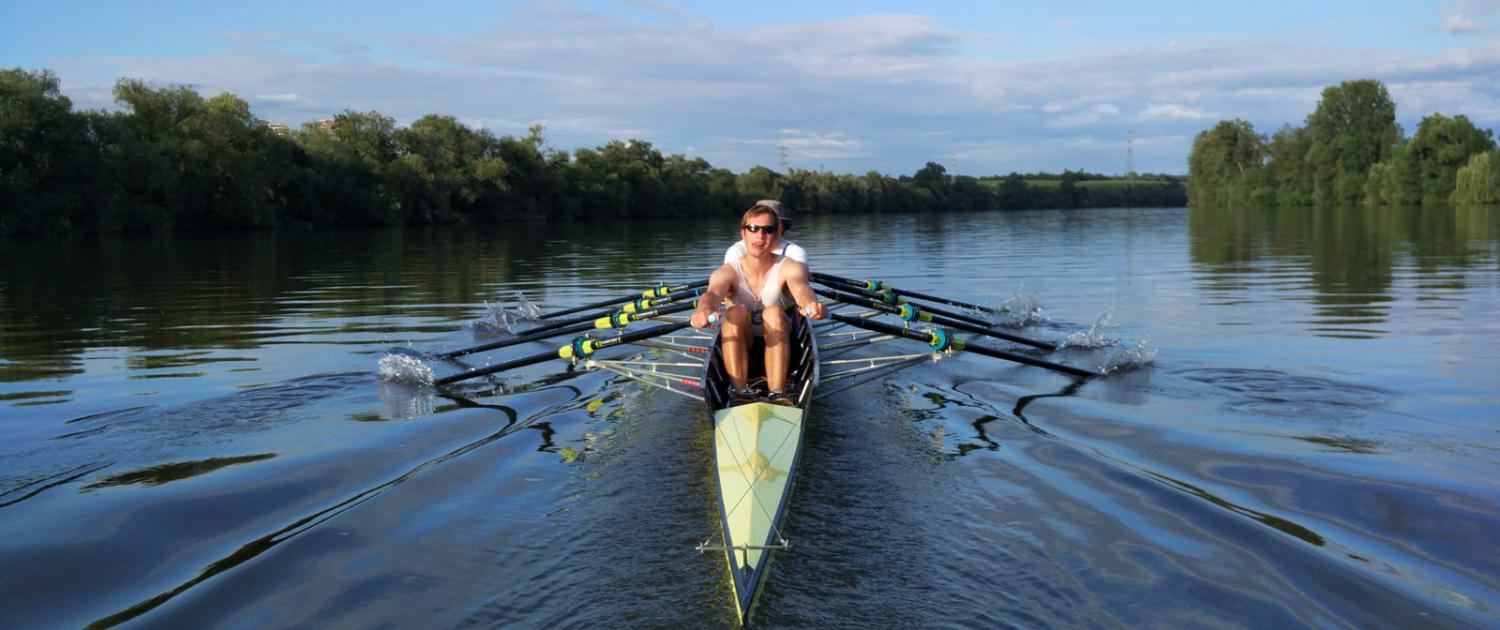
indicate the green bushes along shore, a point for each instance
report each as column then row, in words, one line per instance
column 1351, row 151
column 172, row 159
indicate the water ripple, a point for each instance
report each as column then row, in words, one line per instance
column 1275, row 393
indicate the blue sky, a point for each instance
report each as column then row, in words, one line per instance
column 983, row 87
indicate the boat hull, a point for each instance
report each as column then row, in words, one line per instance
column 756, row 448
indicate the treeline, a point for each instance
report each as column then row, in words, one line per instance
column 1351, row 151
column 172, row 159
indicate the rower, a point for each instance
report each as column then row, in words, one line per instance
column 789, row 249
column 754, row 284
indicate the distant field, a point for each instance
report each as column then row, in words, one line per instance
column 1096, row 184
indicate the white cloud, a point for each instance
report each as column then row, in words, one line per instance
column 1459, row 23
column 1070, row 121
column 1470, row 16
column 1168, row 111
column 884, row 92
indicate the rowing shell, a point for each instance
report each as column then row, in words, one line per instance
column 755, row 453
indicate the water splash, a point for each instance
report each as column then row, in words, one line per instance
column 502, row 319
column 1124, row 358
column 405, row 368
column 525, row 310
column 1094, row 337
column 1020, row 309
column 400, row 401
column 1114, row 354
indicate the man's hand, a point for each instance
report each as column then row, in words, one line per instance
column 699, row 318
column 816, row 310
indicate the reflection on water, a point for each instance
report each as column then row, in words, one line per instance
column 1351, row 263
column 1273, row 393
column 164, row 473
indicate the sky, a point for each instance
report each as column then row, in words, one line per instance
column 983, row 88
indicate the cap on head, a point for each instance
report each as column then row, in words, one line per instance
column 786, row 224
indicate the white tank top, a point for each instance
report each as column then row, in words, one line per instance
column 770, row 293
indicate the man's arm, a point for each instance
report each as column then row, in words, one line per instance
column 795, row 275
column 720, row 284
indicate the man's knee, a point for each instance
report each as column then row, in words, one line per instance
column 773, row 320
column 737, row 321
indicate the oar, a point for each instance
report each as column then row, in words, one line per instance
column 876, row 285
column 889, row 298
column 580, row 348
column 939, row 339
column 637, row 305
column 618, row 319
column 655, row 292
column 909, row 312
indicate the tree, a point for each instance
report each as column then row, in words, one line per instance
column 933, row 178
column 1479, row 180
column 1014, row 193
column 1429, row 163
column 1288, row 177
column 1221, row 162
column 1353, row 127
column 47, row 164
column 759, row 183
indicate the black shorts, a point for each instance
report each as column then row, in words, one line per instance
column 757, row 357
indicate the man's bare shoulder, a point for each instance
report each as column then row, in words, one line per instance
column 793, row 270
column 725, row 273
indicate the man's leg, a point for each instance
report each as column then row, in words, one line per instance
column 734, row 342
column 776, row 325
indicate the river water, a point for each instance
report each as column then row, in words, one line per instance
column 1298, row 430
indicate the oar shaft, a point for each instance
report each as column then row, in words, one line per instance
column 1021, row 358
column 927, row 316
column 641, row 303
column 580, row 325
column 916, row 335
column 656, row 292
column 905, row 293
column 594, row 345
column 884, row 298
column 526, row 338
column 499, row 367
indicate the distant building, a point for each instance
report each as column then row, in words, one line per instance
column 277, row 129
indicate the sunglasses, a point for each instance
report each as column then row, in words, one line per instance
column 753, row 228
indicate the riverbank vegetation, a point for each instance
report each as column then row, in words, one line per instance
column 1350, row 151
column 172, row 159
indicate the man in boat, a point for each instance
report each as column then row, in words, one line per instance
column 756, row 284
column 787, row 248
